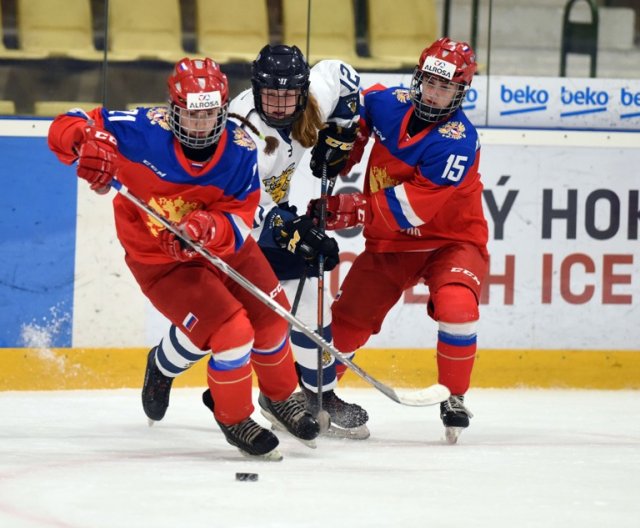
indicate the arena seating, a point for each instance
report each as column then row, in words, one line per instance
column 55, row 28
column 145, row 30
column 332, row 32
column 230, row 32
column 400, row 35
column 53, row 49
column 7, row 107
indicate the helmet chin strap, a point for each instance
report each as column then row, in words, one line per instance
column 199, row 154
column 416, row 124
column 286, row 121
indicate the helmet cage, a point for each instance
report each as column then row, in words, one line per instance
column 192, row 136
column 429, row 112
column 280, row 68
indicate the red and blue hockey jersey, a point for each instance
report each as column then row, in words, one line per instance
column 154, row 168
column 425, row 191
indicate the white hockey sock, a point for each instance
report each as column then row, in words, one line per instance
column 306, row 354
column 176, row 353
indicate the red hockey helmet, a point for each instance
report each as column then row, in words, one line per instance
column 199, row 99
column 445, row 70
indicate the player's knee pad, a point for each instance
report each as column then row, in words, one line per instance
column 268, row 337
column 269, row 328
column 346, row 336
column 234, row 332
column 454, row 303
column 231, row 358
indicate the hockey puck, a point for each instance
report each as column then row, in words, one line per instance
column 243, row 477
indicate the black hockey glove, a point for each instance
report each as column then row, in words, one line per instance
column 301, row 237
column 333, row 148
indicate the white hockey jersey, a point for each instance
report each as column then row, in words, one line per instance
column 333, row 84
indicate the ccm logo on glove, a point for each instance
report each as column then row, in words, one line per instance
column 343, row 210
column 97, row 157
column 331, row 152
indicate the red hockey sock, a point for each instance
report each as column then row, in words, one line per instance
column 341, row 368
column 456, row 355
column 231, row 392
column 276, row 372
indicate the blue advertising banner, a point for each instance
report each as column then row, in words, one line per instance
column 38, row 204
column 543, row 102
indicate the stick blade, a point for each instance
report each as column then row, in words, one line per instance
column 424, row 397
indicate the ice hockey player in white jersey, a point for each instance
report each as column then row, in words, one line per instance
column 288, row 110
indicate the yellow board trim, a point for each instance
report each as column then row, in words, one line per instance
column 84, row 368
column 584, row 369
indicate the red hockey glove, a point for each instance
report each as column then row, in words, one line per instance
column 97, row 157
column 343, row 210
column 199, row 226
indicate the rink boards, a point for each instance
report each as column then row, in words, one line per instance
column 104, row 368
column 560, row 307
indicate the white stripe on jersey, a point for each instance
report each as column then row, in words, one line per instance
column 407, row 210
column 244, row 229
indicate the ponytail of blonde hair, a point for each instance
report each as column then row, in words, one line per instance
column 305, row 129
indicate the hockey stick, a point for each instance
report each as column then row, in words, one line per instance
column 298, row 296
column 416, row 398
column 326, row 189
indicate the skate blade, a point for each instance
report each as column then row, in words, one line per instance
column 451, row 434
column 355, row 433
column 271, row 456
column 150, row 422
column 277, row 426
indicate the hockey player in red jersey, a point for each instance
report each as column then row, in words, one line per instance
column 198, row 170
column 422, row 215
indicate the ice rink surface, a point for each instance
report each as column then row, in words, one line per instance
column 531, row 458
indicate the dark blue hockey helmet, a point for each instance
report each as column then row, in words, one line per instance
column 280, row 81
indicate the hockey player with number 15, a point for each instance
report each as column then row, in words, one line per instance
column 422, row 214
column 289, row 109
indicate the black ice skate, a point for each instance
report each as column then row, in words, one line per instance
column 455, row 417
column 291, row 415
column 250, row 438
column 155, row 390
column 348, row 420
